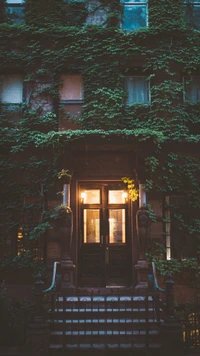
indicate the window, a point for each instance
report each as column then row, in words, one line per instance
column 193, row 14
column 11, row 89
column 137, row 88
column 96, row 14
column 192, row 89
column 179, row 243
column 71, row 98
column 134, row 15
column 15, row 10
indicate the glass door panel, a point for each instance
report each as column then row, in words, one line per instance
column 117, row 197
column 91, row 225
column 91, row 196
column 117, row 226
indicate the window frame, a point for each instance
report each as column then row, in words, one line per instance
column 168, row 228
column 135, row 3
column 69, row 124
column 146, row 103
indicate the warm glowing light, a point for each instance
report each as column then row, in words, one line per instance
column 125, row 195
column 83, row 196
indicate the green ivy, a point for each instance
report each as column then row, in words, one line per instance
column 54, row 39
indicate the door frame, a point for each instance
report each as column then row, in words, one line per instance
column 104, row 186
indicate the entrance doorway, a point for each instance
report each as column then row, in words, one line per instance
column 104, row 244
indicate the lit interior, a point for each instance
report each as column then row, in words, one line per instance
column 91, row 196
column 117, row 226
column 91, row 223
column 117, row 197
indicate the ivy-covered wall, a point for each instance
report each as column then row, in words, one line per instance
column 60, row 36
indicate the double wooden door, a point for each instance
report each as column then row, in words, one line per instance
column 104, row 249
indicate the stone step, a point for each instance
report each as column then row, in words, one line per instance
column 102, row 313
column 103, row 300
column 105, row 346
column 97, row 336
column 112, row 298
column 101, row 324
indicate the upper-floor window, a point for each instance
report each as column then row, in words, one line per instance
column 11, row 89
column 137, row 89
column 192, row 89
column 193, row 14
column 15, row 10
column 71, row 99
column 134, row 14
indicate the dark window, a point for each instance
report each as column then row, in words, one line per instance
column 179, row 243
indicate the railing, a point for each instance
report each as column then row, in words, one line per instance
column 190, row 320
column 53, row 282
column 154, row 288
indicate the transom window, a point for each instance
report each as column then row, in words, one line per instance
column 135, row 14
column 193, row 14
column 137, row 88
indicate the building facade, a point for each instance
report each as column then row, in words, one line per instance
column 96, row 96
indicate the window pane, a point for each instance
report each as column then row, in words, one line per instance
column 69, row 115
column 91, row 196
column 134, row 17
column 193, row 16
column 68, row 112
column 117, row 226
column 137, row 90
column 71, row 87
column 117, row 197
column 91, row 223
column 11, row 89
column 193, row 90
column 16, row 14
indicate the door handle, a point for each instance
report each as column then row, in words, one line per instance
column 107, row 240
column 101, row 240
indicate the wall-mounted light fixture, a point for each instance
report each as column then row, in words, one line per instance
column 83, row 196
column 125, row 196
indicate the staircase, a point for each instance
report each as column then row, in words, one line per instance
column 105, row 322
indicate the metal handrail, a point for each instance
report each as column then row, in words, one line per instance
column 53, row 278
column 155, row 279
